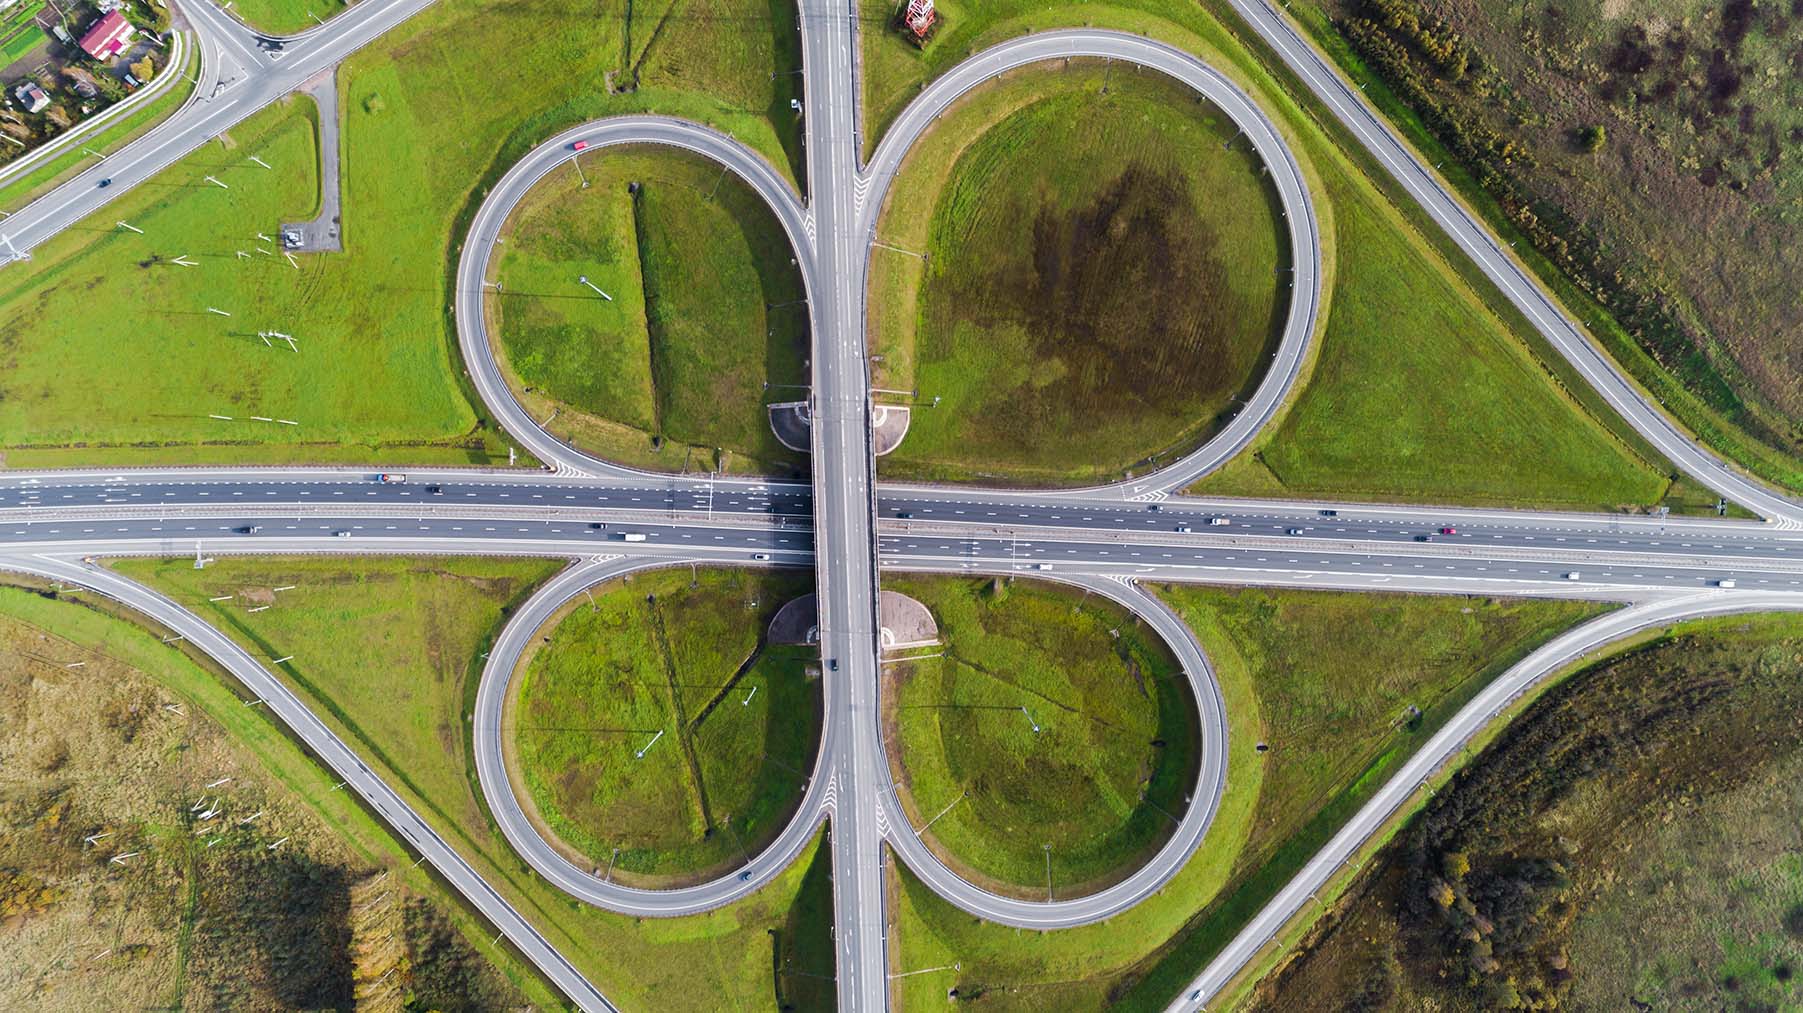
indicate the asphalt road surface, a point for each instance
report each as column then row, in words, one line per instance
column 845, row 524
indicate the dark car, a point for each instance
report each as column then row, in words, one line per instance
column 832, row 664
column 1424, row 538
column 1330, row 513
column 436, row 490
column 106, row 182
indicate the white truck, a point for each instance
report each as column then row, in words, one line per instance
column 632, row 536
column 390, row 478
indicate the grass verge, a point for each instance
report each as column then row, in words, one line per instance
column 1098, row 278
column 657, row 732
column 142, row 366
column 1517, row 379
column 705, row 311
column 1052, row 743
column 292, row 897
column 1282, row 659
column 1612, row 843
column 394, row 671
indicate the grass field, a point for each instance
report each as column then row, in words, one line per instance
column 307, row 905
column 673, row 367
column 1480, row 423
column 657, row 732
column 1054, row 742
column 286, row 17
column 1325, row 680
column 1100, row 278
column 376, row 377
column 1628, row 841
column 1455, row 315
column 1653, row 180
column 395, row 655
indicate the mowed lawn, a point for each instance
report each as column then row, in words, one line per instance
column 706, row 309
column 1419, row 394
column 388, row 651
column 1054, row 738
column 657, row 733
column 1100, row 278
column 1427, row 388
column 1326, row 681
column 286, row 17
column 109, row 361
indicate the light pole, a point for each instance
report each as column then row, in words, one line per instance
column 583, row 279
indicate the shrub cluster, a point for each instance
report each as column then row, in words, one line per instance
column 1422, row 59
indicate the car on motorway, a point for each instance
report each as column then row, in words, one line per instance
column 1219, row 521
column 579, row 146
column 1183, row 529
column 745, row 877
column 595, row 525
column 1292, row 531
column 391, row 478
column 105, row 181
column 341, row 534
column 1330, row 513
column 832, row 664
column 761, row 556
column 1449, row 531
column 1574, row 575
column 904, row 514
column 632, row 536
column 436, row 490
column 250, row 529
column 1424, row 538
column 1043, row 566
column 1725, row 582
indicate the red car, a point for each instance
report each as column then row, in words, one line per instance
column 1449, row 531
column 579, row 146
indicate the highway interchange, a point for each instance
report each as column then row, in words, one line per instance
column 847, row 525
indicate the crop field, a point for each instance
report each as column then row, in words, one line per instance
column 1630, row 841
column 1653, row 171
column 393, row 660
column 1452, row 316
column 1054, row 742
column 706, row 308
column 110, row 356
column 1330, row 683
column 276, row 893
column 1099, row 281
column 657, row 732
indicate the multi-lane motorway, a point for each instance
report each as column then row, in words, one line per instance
column 846, row 525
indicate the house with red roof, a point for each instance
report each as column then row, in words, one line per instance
column 108, row 37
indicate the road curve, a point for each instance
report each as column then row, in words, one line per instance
column 1304, row 230
column 1205, row 799
column 1491, row 257
column 332, row 751
column 1488, row 707
column 485, row 231
column 503, row 802
column 236, row 80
